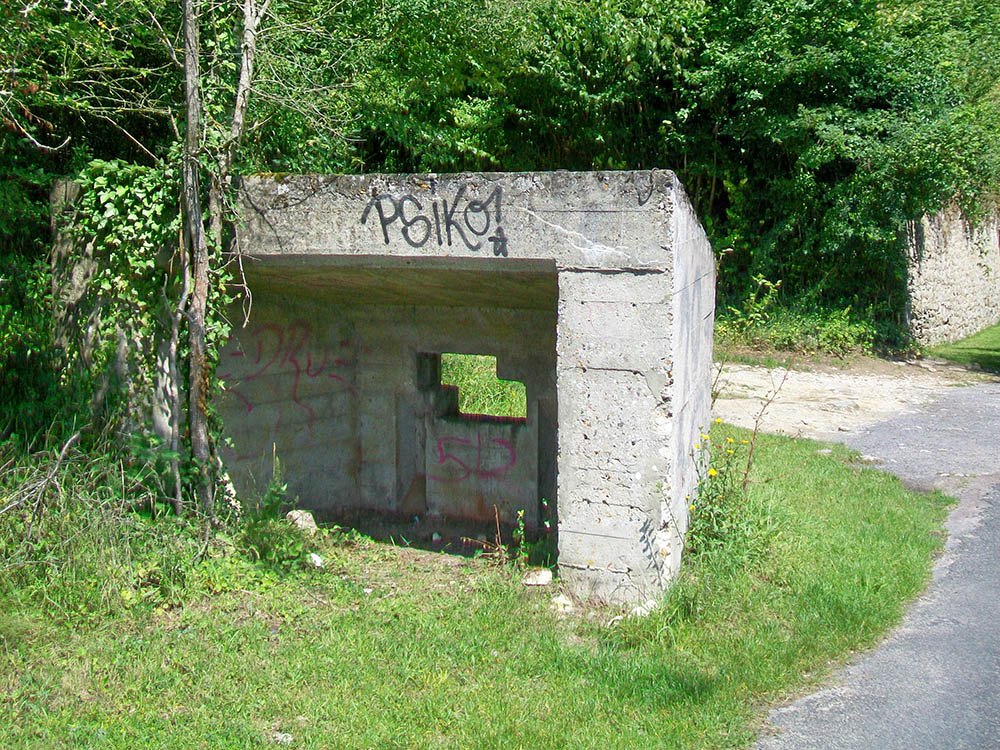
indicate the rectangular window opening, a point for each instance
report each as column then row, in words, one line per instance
column 480, row 392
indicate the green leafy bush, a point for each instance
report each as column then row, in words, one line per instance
column 86, row 534
column 807, row 134
column 804, row 329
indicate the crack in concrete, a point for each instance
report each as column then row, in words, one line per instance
column 593, row 252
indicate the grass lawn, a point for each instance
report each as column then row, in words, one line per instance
column 982, row 349
column 479, row 389
column 389, row 647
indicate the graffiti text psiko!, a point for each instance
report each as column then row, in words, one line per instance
column 461, row 220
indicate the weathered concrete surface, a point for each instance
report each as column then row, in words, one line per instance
column 609, row 220
column 336, row 392
column 953, row 283
column 594, row 289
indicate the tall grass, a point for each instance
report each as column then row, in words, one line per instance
column 384, row 647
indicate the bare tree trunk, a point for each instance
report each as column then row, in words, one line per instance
column 252, row 16
column 198, row 250
column 175, row 382
column 196, row 240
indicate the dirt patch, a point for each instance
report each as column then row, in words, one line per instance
column 820, row 399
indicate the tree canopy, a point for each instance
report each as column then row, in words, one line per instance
column 806, row 131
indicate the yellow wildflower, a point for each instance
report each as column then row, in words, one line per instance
column 712, row 472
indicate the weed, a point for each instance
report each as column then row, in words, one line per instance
column 80, row 537
column 755, row 309
column 763, row 324
column 459, row 650
column 724, row 520
column 522, row 551
column 496, row 550
column 520, row 555
column 267, row 537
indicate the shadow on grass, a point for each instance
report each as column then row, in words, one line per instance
column 987, row 359
column 981, row 349
column 654, row 683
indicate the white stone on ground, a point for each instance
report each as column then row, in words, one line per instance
column 537, row 577
column 303, row 519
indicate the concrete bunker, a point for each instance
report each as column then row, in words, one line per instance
column 595, row 290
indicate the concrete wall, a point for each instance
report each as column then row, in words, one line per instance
column 953, row 282
column 341, row 394
column 594, row 289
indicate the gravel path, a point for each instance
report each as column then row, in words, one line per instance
column 819, row 400
column 935, row 682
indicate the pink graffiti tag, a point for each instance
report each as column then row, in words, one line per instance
column 478, row 470
column 284, row 350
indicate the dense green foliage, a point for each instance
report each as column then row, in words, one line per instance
column 806, row 131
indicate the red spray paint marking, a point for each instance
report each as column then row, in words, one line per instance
column 284, row 351
column 478, row 470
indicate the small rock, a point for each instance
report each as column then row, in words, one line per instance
column 824, row 451
column 316, row 560
column 368, row 590
column 866, row 459
column 282, row 738
column 537, row 577
column 843, row 428
column 642, row 610
column 303, row 519
column 562, row 604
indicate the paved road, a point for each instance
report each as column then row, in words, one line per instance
column 935, row 682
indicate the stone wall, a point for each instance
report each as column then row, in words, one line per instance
column 594, row 289
column 953, row 279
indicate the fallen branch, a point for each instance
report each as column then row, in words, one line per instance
column 36, row 490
